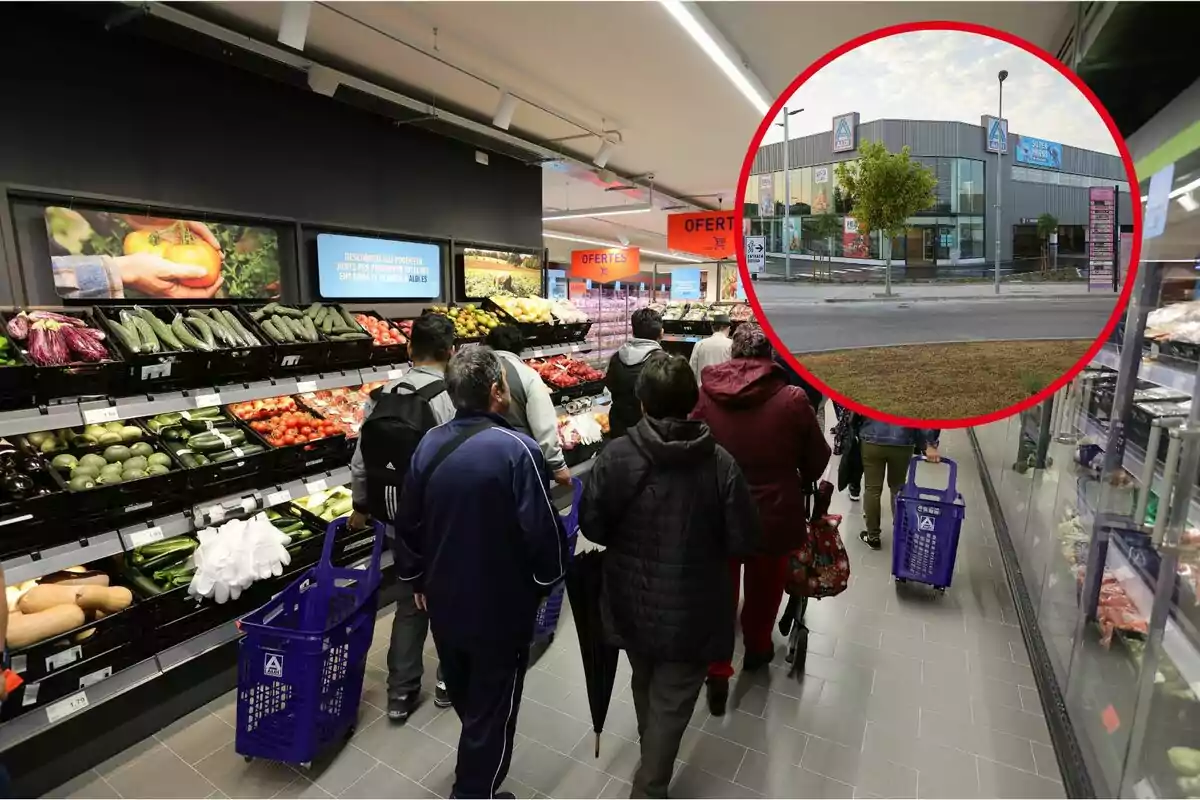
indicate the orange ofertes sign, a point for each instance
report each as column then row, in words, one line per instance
column 705, row 233
column 607, row 265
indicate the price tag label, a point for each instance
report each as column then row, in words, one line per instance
column 98, row 415
column 63, row 658
column 278, row 498
column 305, row 386
column 395, row 374
column 208, row 400
column 575, row 348
column 95, row 677
column 216, row 513
column 66, row 707
column 316, row 486
column 139, row 538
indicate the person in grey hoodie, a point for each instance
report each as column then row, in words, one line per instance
column 626, row 365
column 430, row 347
column 887, row 450
column 531, row 410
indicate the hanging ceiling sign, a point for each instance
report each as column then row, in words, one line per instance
column 845, row 132
column 607, row 265
column 705, row 233
column 995, row 134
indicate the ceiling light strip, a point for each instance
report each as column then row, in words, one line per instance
column 600, row 211
column 710, row 40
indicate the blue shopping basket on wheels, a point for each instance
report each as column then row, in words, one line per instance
column 303, row 657
column 551, row 607
column 926, row 526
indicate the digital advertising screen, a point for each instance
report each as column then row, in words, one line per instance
column 350, row 267
column 109, row 255
column 492, row 272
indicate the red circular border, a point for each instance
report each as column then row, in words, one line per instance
column 983, row 30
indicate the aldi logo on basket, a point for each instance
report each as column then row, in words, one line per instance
column 925, row 523
column 273, row 666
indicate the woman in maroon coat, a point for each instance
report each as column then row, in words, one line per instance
column 772, row 432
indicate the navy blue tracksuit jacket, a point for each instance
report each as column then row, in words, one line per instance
column 480, row 537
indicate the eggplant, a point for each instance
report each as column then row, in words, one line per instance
column 29, row 463
column 17, row 485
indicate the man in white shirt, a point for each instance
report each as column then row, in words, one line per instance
column 716, row 349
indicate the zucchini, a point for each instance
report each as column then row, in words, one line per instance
column 217, row 440
column 241, row 451
column 141, row 583
column 187, row 457
column 203, row 328
column 176, row 544
column 186, row 337
column 160, row 328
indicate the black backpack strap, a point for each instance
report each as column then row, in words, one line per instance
column 430, row 390
column 449, row 447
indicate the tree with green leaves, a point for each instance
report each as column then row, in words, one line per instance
column 885, row 190
column 826, row 226
column 1047, row 224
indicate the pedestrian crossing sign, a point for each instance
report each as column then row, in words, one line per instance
column 997, row 134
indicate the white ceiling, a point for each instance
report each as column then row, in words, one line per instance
column 623, row 66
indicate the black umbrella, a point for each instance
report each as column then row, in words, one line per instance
column 599, row 658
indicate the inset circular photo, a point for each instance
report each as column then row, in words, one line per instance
column 939, row 224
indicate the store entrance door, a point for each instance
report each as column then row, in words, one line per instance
column 921, row 252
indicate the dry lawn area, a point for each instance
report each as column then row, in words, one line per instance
column 945, row 381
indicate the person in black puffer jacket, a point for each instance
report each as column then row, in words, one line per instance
column 672, row 508
column 625, row 366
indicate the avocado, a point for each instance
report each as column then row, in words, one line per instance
column 65, row 461
column 141, row 449
column 118, row 452
column 81, row 483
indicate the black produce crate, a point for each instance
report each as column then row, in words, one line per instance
column 291, row 357
column 348, row 545
column 298, row 460
column 18, row 383
column 534, row 332
column 681, row 327
column 62, row 666
column 581, row 453
column 585, row 389
column 226, row 477
column 34, row 523
column 110, row 506
column 78, row 379
column 386, row 353
column 236, row 364
column 569, row 332
column 167, row 369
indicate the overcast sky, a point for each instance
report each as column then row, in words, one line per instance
column 947, row 75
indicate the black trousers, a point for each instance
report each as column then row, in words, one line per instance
column 664, row 697
column 485, row 688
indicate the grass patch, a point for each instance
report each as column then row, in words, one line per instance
column 945, row 381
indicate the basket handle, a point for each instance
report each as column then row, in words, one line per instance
column 948, row 495
column 325, row 565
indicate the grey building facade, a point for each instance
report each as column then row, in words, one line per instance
column 1036, row 177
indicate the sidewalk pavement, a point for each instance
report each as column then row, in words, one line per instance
column 771, row 292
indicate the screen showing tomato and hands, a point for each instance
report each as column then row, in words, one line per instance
column 111, row 255
column 350, row 267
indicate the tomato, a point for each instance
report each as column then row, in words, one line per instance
column 197, row 254
column 144, row 242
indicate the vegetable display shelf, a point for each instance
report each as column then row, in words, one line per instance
column 169, row 364
column 77, row 378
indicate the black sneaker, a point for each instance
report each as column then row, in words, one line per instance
column 870, row 541
column 441, row 697
column 718, row 696
column 855, row 494
column 400, row 708
column 756, row 661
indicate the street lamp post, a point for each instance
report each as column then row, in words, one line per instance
column 787, row 192
column 999, row 154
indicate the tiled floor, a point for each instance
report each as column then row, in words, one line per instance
column 906, row 695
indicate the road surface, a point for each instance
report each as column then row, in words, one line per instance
column 809, row 327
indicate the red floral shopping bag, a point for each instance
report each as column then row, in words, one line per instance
column 820, row 567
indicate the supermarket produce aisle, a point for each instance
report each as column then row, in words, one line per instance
column 905, row 695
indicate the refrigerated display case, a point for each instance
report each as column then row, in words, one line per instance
column 1098, row 509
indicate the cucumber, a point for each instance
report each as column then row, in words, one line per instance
column 217, row 322
column 186, row 337
column 310, row 330
column 299, row 329
column 312, row 310
column 230, row 455
column 146, row 334
column 128, row 337
column 327, row 325
column 285, row 330
column 135, row 331
column 203, row 326
column 350, row 320
column 270, row 330
column 288, row 311
column 211, row 442
column 235, row 325
column 270, row 309
column 319, row 317
column 257, row 316
column 349, row 336
column 160, row 328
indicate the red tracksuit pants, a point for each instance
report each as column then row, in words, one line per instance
column 765, row 579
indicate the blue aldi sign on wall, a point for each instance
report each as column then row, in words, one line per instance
column 995, row 134
column 845, row 133
column 1039, row 153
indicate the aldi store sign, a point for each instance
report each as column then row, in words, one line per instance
column 845, row 133
column 995, row 134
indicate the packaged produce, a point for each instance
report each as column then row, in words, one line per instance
column 741, row 312
column 233, row 556
column 526, row 309
column 263, row 409
column 55, row 340
column 204, row 436
column 383, row 333
column 346, row 405
column 562, row 372
column 328, row 505
column 469, row 320
column 565, row 311
column 579, row 429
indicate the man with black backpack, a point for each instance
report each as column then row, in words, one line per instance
column 397, row 418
